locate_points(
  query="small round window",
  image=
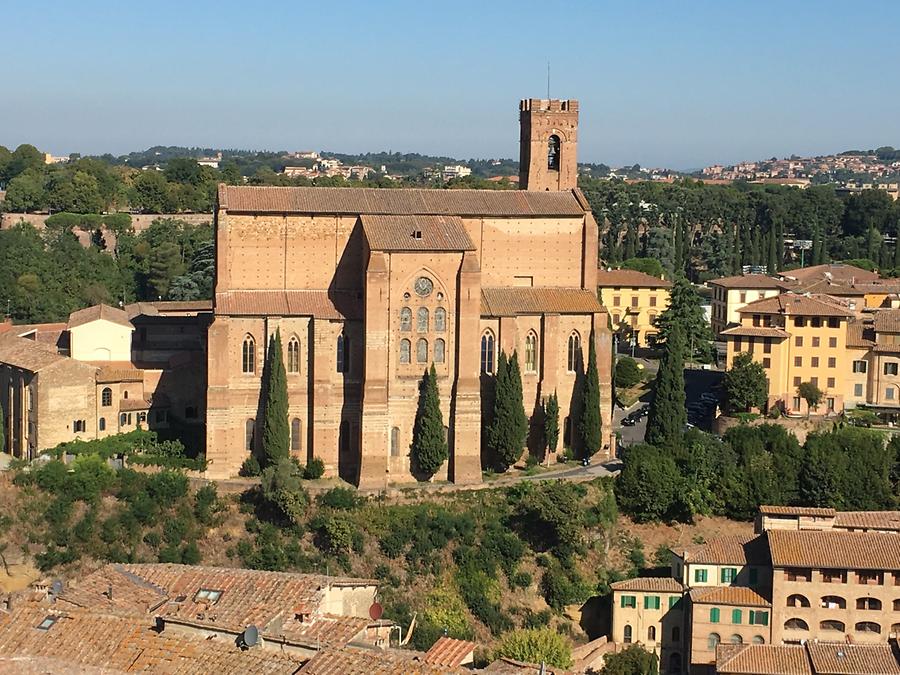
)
(423, 287)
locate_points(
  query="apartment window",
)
(869, 578)
(101, 424)
(815, 322)
(293, 360)
(829, 404)
(248, 356)
(673, 600)
(796, 624)
(767, 346)
(626, 634)
(799, 322)
(832, 342)
(797, 402)
(78, 426)
(797, 600)
(767, 362)
(713, 641)
(634, 301)
(106, 397)
(832, 624)
(758, 618)
(833, 322)
(798, 361)
(616, 318)
(796, 381)
(833, 576)
(798, 341)
(736, 616)
(890, 368)
(815, 361)
(860, 366)
(440, 320)
(700, 576)
(406, 319)
(714, 615)
(857, 390)
(889, 393)
(758, 640)
(629, 601)
(833, 602)
(738, 345)
(867, 627)
(651, 634)
(869, 604)
(815, 381)
(728, 574)
(830, 381)
(795, 574)
(653, 301)
(616, 301)
(815, 342)
(651, 602)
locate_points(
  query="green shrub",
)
(250, 468)
(340, 498)
(520, 580)
(315, 469)
(336, 535)
(51, 477)
(628, 373)
(167, 487)
(90, 477)
(536, 619)
(190, 554)
(206, 504)
(535, 645)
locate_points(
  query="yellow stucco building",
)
(634, 300)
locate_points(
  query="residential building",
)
(455, 171)
(634, 300)
(649, 611)
(731, 294)
(370, 287)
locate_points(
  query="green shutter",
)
(736, 616)
(714, 615)
(763, 618)
(673, 600)
(700, 575)
(646, 602)
(622, 600)
(655, 602)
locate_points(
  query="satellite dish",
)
(56, 587)
(251, 636)
(376, 611)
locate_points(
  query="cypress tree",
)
(772, 262)
(275, 433)
(589, 425)
(2, 430)
(631, 242)
(897, 254)
(429, 448)
(509, 427)
(665, 424)
(551, 422)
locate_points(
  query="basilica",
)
(370, 287)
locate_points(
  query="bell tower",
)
(548, 144)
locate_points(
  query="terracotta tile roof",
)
(119, 374)
(813, 511)
(747, 281)
(335, 305)
(756, 331)
(86, 642)
(27, 354)
(98, 313)
(887, 321)
(870, 520)
(630, 279)
(834, 549)
(794, 304)
(395, 233)
(128, 404)
(360, 661)
(762, 660)
(840, 273)
(510, 301)
(504, 666)
(740, 596)
(450, 653)
(411, 202)
(853, 659)
(727, 550)
(828, 288)
(860, 334)
(651, 584)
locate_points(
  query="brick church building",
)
(369, 287)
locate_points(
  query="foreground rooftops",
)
(749, 281)
(412, 202)
(99, 313)
(649, 584)
(630, 279)
(510, 301)
(739, 596)
(811, 658)
(727, 550)
(834, 549)
(795, 304)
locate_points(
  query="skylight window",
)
(209, 595)
(46, 623)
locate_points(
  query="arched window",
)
(295, 434)
(125, 394)
(833, 602)
(248, 356)
(797, 600)
(422, 351)
(422, 320)
(897, 605)
(487, 353)
(123, 419)
(530, 352)
(736, 639)
(867, 627)
(395, 442)
(651, 634)
(796, 624)
(440, 319)
(895, 628)
(404, 350)
(101, 424)
(249, 433)
(676, 634)
(626, 634)
(106, 397)
(293, 359)
(713, 640)
(343, 354)
(406, 319)
(758, 640)
(574, 352)
(439, 348)
(832, 624)
(553, 153)
(868, 603)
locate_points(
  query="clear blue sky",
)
(660, 83)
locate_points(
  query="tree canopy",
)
(746, 384)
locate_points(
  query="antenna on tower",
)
(548, 80)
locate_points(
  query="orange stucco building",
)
(368, 288)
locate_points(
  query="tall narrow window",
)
(248, 356)
(404, 350)
(293, 360)
(626, 634)
(439, 349)
(553, 153)
(422, 320)
(422, 351)
(343, 354)
(106, 397)
(530, 351)
(406, 319)
(295, 434)
(440, 319)
(574, 352)
(101, 424)
(249, 432)
(487, 353)
(395, 442)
